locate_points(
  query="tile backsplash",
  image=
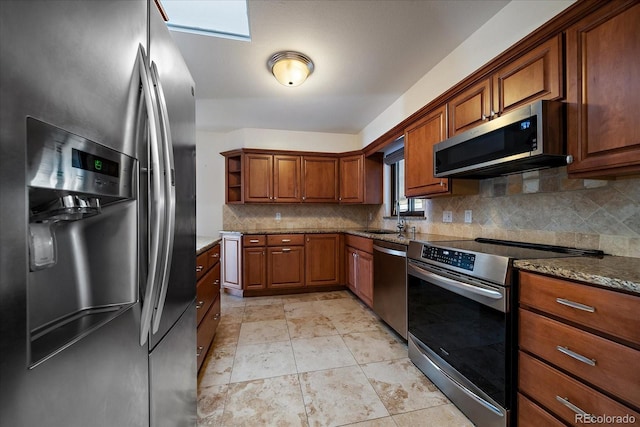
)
(541, 207)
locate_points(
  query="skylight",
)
(216, 18)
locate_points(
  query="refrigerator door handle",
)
(170, 194)
(157, 204)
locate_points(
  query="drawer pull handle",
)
(254, 241)
(574, 408)
(576, 305)
(199, 352)
(577, 356)
(216, 317)
(286, 249)
(216, 255)
(199, 268)
(216, 282)
(286, 240)
(199, 305)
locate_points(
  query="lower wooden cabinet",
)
(572, 364)
(207, 300)
(285, 265)
(322, 259)
(359, 267)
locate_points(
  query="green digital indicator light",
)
(97, 164)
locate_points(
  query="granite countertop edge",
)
(204, 243)
(617, 273)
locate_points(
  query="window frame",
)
(394, 194)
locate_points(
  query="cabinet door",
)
(286, 267)
(259, 178)
(418, 155)
(351, 267)
(536, 75)
(255, 268)
(602, 92)
(364, 278)
(470, 108)
(322, 259)
(231, 262)
(286, 179)
(320, 179)
(352, 179)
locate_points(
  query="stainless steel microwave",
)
(528, 138)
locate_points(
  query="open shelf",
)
(233, 179)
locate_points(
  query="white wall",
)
(511, 24)
(210, 164)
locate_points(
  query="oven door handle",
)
(445, 282)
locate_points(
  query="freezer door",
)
(178, 87)
(172, 366)
(69, 64)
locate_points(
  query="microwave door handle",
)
(445, 282)
(170, 195)
(156, 202)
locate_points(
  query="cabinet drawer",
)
(559, 393)
(285, 239)
(206, 291)
(214, 255)
(207, 330)
(254, 240)
(362, 243)
(607, 311)
(603, 363)
(531, 415)
(202, 264)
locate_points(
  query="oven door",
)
(460, 337)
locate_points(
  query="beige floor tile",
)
(266, 402)
(402, 387)
(339, 396)
(374, 346)
(228, 300)
(443, 415)
(300, 309)
(333, 295)
(211, 402)
(356, 320)
(313, 296)
(314, 354)
(216, 370)
(255, 301)
(309, 327)
(330, 307)
(263, 331)
(226, 334)
(378, 422)
(256, 313)
(255, 361)
(231, 314)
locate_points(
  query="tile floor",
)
(320, 359)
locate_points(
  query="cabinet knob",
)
(484, 118)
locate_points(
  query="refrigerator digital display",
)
(89, 162)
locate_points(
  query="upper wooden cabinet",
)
(261, 176)
(361, 179)
(272, 178)
(532, 76)
(418, 155)
(603, 90)
(320, 179)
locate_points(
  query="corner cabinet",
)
(603, 88)
(207, 299)
(361, 179)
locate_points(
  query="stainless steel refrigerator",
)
(97, 217)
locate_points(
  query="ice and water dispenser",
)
(82, 237)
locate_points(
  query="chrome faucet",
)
(400, 225)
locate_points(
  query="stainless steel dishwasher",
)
(390, 284)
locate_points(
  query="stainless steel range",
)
(461, 320)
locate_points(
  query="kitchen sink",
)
(380, 231)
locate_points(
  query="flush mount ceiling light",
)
(290, 68)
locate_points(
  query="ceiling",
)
(367, 53)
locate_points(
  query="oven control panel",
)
(451, 257)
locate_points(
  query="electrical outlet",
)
(467, 217)
(447, 216)
(370, 216)
(278, 216)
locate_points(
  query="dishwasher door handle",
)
(390, 251)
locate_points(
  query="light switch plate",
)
(468, 217)
(278, 216)
(447, 216)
